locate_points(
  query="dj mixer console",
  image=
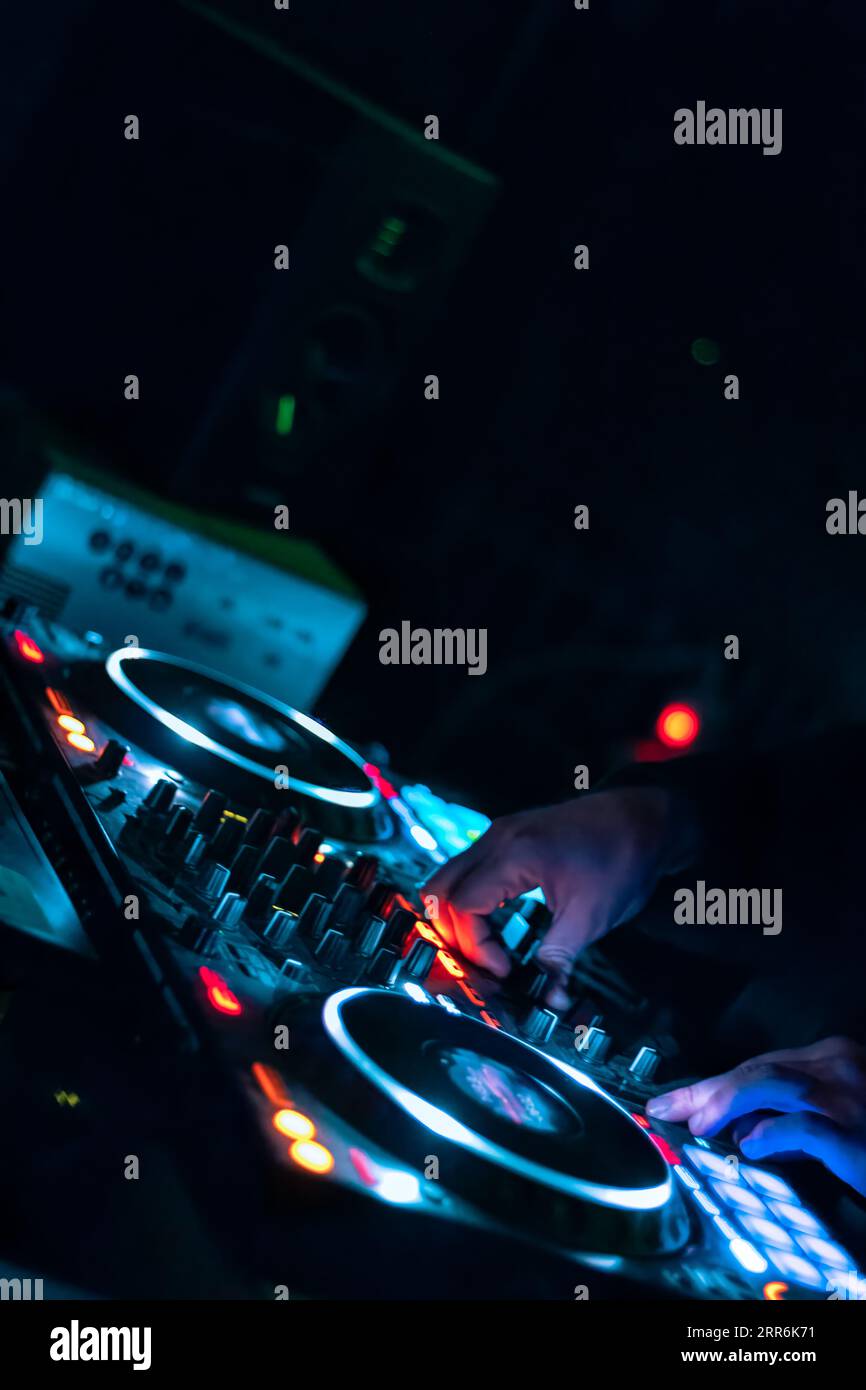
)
(358, 1111)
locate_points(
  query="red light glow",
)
(677, 726)
(218, 993)
(27, 647)
(668, 1154)
(271, 1083)
(380, 782)
(642, 1121)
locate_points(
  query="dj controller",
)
(218, 977)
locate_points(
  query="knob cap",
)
(109, 762)
(330, 875)
(194, 847)
(384, 967)
(370, 938)
(278, 858)
(281, 928)
(160, 796)
(296, 888)
(332, 948)
(261, 899)
(225, 842)
(596, 1045)
(348, 906)
(313, 917)
(644, 1064)
(258, 827)
(539, 1024)
(400, 923)
(419, 959)
(244, 868)
(307, 847)
(209, 813)
(230, 909)
(363, 872)
(212, 880)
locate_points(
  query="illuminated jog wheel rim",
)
(231, 736)
(529, 1138)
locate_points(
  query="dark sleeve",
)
(792, 819)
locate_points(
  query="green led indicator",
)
(706, 352)
(396, 225)
(285, 415)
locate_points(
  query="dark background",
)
(557, 387)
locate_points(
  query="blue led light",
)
(767, 1183)
(770, 1232)
(746, 1255)
(794, 1215)
(708, 1206)
(711, 1163)
(825, 1250)
(741, 1197)
(798, 1270)
(727, 1230)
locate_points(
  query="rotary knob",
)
(644, 1064)
(209, 813)
(419, 959)
(539, 1024)
(331, 949)
(370, 938)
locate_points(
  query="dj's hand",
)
(596, 859)
(819, 1092)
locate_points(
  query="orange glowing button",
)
(309, 1154)
(775, 1291)
(71, 724)
(677, 726)
(319, 858)
(82, 742)
(27, 647)
(293, 1124)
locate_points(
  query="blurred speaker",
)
(389, 221)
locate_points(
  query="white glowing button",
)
(727, 1230)
(707, 1205)
(798, 1270)
(416, 992)
(710, 1163)
(422, 837)
(768, 1183)
(845, 1283)
(685, 1176)
(447, 1004)
(740, 1197)
(400, 1188)
(750, 1258)
(770, 1232)
(825, 1251)
(798, 1217)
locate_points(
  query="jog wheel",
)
(530, 1140)
(227, 735)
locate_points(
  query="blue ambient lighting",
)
(440, 1122)
(746, 1254)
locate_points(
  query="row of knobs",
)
(263, 872)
